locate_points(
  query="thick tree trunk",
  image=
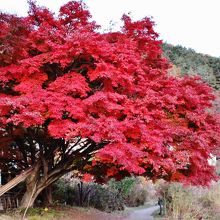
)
(47, 196)
(29, 198)
(36, 183)
(33, 191)
(43, 174)
(31, 188)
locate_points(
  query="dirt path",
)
(142, 214)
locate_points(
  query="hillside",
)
(187, 61)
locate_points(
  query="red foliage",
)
(61, 75)
(87, 177)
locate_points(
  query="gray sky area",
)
(190, 23)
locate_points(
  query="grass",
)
(44, 214)
(192, 203)
(35, 214)
(63, 213)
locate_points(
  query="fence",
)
(8, 201)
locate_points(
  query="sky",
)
(190, 23)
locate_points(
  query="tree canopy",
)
(73, 98)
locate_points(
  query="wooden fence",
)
(9, 201)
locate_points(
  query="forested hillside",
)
(187, 61)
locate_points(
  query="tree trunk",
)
(29, 198)
(80, 190)
(36, 183)
(47, 196)
(32, 190)
(43, 176)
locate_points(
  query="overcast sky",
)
(190, 23)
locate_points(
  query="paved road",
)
(4, 217)
(142, 214)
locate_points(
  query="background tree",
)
(192, 63)
(100, 103)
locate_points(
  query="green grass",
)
(36, 213)
(43, 214)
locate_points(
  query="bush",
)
(132, 189)
(104, 198)
(191, 203)
(211, 202)
(181, 204)
(123, 186)
(101, 197)
(131, 192)
(137, 196)
(64, 193)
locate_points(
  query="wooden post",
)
(14, 182)
(164, 205)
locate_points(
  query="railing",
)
(14, 182)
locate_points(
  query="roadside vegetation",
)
(189, 202)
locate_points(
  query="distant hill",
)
(187, 61)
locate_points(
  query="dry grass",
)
(192, 203)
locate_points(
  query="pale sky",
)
(190, 23)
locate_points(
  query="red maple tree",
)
(73, 98)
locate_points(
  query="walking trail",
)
(142, 214)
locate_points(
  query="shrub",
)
(105, 198)
(190, 203)
(123, 186)
(137, 196)
(64, 193)
(132, 189)
(101, 197)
